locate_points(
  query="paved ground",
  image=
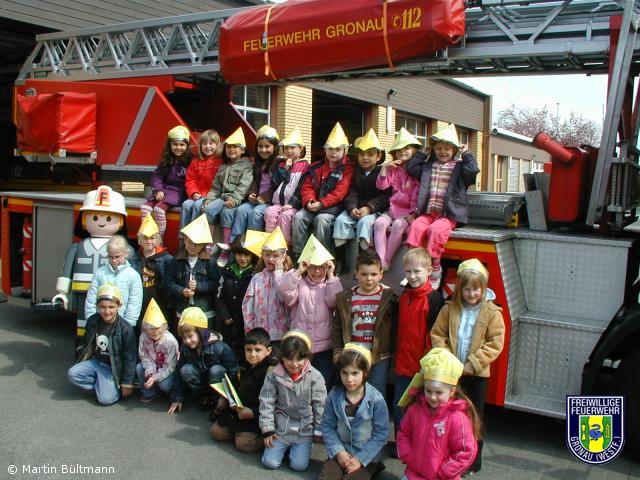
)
(47, 424)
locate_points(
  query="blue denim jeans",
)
(249, 216)
(217, 209)
(92, 375)
(378, 376)
(347, 228)
(299, 454)
(400, 386)
(199, 380)
(190, 211)
(164, 386)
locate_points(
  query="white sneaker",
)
(223, 246)
(404, 282)
(211, 249)
(435, 280)
(223, 259)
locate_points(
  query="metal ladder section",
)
(502, 37)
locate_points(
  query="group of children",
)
(283, 357)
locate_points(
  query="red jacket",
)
(327, 185)
(200, 175)
(418, 309)
(436, 445)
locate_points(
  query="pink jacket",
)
(263, 307)
(436, 445)
(312, 305)
(404, 198)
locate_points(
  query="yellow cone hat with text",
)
(198, 230)
(275, 241)
(293, 138)
(267, 131)
(438, 365)
(446, 135)
(370, 140)
(154, 316)
(337, 138)
(148, 227)
(194, 316)
(179, 133)
(404, 139)
(314, 252)
(236, 138)
(254, 240)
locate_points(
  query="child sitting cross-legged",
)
(158, 352)
(291, 404)
(355, 423)
(204, 359)
(241, 423)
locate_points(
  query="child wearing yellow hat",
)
(355, 423)
(288, 178)
(230, 186)
(192, 275)
(472, 328)
(167, 180)
(106, 364)
(262, 306)
(442, 200)
(158, 352)
(291, 405)
(437, 437)
(404, 197)
(310, 292)
(323, 191)
(200, 174)
(250, 215)
(152, 263)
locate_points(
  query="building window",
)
(415, 125)
(254, 103)
(464, 137)
(499, 169)
(538, 167)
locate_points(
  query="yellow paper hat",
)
(474, 265)
(337, 138)
(109, 292)
(267, 131)
(179, 133)
(154, 316)
(446, 135)
(438, 365)
(293, 138)
(314, 252)
(301, 335)
(198, 230)
(275, 241)
(236, 138)
(194, 316)
(254, 240)
(148, 227)
(370, 140)
(404, 139)
(356, 143)
(354, 347)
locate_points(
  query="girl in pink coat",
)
(310, 292)
(403, 201)
(437, 437)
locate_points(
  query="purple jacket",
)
(170, 180)
(436, 445)
(312, 305)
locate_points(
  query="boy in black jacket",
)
(241, 424)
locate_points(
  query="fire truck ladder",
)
(502, 37)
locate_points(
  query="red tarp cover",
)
(313, 36)
(50, 122)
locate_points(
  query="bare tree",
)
(572, 132)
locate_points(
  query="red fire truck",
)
(566, 282)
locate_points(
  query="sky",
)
(561, 93)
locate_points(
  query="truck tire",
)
(629, 386)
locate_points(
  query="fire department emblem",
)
(595, 427)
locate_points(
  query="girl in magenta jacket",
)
(310, 292)
(437, 438)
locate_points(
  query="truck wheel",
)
(629, 386)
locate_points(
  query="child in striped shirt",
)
(366, 314)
